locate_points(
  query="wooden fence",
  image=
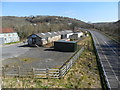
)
(45, 73)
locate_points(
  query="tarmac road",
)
(108, 52)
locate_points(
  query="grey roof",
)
(52, 34)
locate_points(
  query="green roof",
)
(66, 41)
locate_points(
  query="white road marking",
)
(110, 47)
(107, 61)
(102, 66)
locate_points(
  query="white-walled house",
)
(8, 35)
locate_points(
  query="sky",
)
(85, 11)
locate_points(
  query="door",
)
(33, 40)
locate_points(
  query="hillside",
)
(111, 28)
(36, 24)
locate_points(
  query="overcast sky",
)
(85, 11)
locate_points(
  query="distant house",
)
(8, 35)
(76, 35)
(48, 37)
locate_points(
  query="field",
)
(83, 74)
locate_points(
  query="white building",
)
(69, 34)
(8, 35)
(80, 34)
(48, 37)
(77, 35)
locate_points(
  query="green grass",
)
(83, 74)
(12, 43)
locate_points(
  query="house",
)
(45, 38)
(8, 35)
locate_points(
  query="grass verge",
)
(12, 43)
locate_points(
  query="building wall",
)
(63, 36)
(30, 40)
(39, 41)
(1, 41)
(44, 41)
(80, 34)
(9, 37)
(50, 39)
(69, 34)
(74, 36)
(55, 38)
(66, 46)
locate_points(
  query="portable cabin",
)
(65, 46)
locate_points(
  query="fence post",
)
(47, 72)
(18, 71)
(60, 73)
(71, 62)
(78, 54)
(84, 44)
(66, 68)
(3, 71)
(33, 71)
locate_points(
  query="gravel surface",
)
(37, 58)
(14, 50)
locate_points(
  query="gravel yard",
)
(38, 58)
(10, 51)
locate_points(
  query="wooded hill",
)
(36, 24)
(111, 28)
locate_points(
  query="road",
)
(10, 51)
(108, 52)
